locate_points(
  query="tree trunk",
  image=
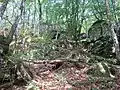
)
(112, 28)
(3, 7)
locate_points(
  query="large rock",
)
(100, 39)
(98, 29)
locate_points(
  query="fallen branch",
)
(91, 81)
(6, 85)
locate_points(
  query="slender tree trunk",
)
(82, 16)
(40, 10)
(15, 24)
(22, 8)
(40, 13)
(3, 7)
(108, 10)
(34, 18)
(29, 13)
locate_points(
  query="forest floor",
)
(69, 73)
(59, 75)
